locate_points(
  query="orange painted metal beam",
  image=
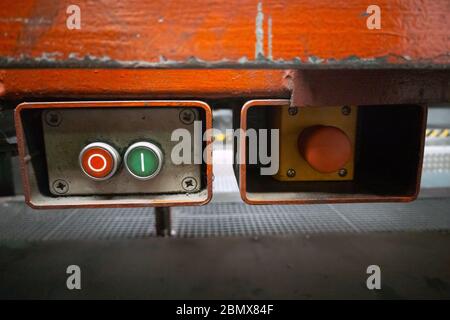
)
(368, 87)
(234, 33)
(29, 84)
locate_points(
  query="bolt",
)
(187, 116)
(60, 186)
(292, 111)
(290, 173)
(189, 184)
(53, 118)
(346, 110)
(342, 172)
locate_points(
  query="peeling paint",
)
(74, 60)
(315, 60)
(259, 32)
(14, 19)
(122, 37)
(50, 56)
(243, 60)
(269, 38)
(34, 21)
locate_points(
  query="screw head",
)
(187, 116)
(346, 110)
(53, 118)
(189, 184)
(290, 173)
(292, 111)
(342, 172)
(60, 186)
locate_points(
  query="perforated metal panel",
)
(19, 222)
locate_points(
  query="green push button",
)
(143, 160)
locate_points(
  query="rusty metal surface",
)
(308, 87)
(367, 87)
(238, 34)
(35, 199)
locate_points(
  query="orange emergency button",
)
(326, 149)
(99, 161)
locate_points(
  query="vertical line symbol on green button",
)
(143, 160)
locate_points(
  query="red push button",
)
(326, 149)
(99, 160)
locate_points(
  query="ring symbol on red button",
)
(99, 161)
(94, 167)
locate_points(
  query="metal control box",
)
(384, 161)
(76, 128)
(115, 153)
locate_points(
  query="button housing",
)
(292, 125)
(102, 169)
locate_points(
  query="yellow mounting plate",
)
(291, 124)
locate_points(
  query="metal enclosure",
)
(49, 153)
(388, 158)
(121, 128)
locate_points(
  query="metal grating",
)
(420, 215)
(239, 219)
(18, 222)
(236, 219)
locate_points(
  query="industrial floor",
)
(333, 266)
(229, 251)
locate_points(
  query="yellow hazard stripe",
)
(445, 133)
(437, 133)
